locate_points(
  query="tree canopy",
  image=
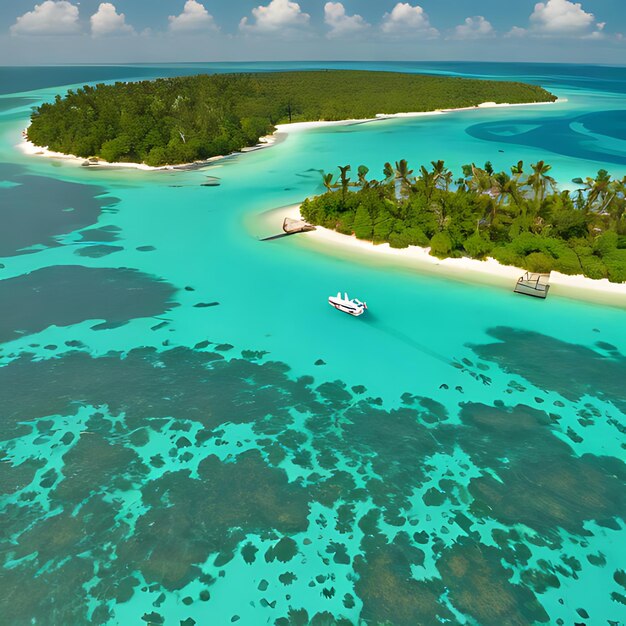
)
(519, 217)
(184, 119)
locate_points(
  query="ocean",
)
(189, 434)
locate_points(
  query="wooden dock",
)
(533, 284)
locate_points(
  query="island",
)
(518, 218)
(185, 119)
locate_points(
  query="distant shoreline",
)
(30, 149)
(465, 269)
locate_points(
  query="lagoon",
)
(184, 415)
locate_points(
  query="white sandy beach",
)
(301, 126)
(29, 148)
(464, 269)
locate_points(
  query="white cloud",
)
(474, 28)
(52, 17)
(561, 18)
(598, 33)
(405, 19)
(193, 18)
(516, 31)
(340, 23)
(107, 21)
(278, 15)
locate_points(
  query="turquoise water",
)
(191, 435)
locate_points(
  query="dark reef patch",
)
(104, 234)
(32, 588)
(479, 586)
(62, 295)
(145, 384)
(16, 477)
(204, 305)
(27, 598)
(396, 443)
(97, 251)
(190, 519)
(389, 594)
(95, 463)
(571, 370)
(368, 465)
(187, 520)
(284, 550)
(108, 325)
(541, 482)
(38, 209)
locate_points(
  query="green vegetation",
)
(179, 120)
(517, 218)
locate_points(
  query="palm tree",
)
(442, 175)
(388, 172)
(506, 188)
(617, 207)
(481, 181)
(403, 173)
(428, 181)
(465, 181)
(610, 196)
(579, 200)
(344, 181)
(582, 203)
(362, 173)
(518, 170)
(328, 181)
(439, 168)
(446, 180)
(599, 189)
(599, 200)
(539, 180)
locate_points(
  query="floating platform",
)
(532, 284)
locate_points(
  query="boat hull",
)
(354, 311)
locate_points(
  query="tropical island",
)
(519, 218)
(181, 120)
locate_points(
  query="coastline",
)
(282, 130)
(30, 149)
(465, 269)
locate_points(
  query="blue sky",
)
(65, 31)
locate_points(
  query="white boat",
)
(352, 306)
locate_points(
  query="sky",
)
(138, 31)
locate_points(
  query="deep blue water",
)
(16, 79)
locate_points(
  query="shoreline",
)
(282, 130)
(465, 269)
(28, 148)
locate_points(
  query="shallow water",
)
(189, 432)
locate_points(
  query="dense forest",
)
(180, 120)
(519, 218)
